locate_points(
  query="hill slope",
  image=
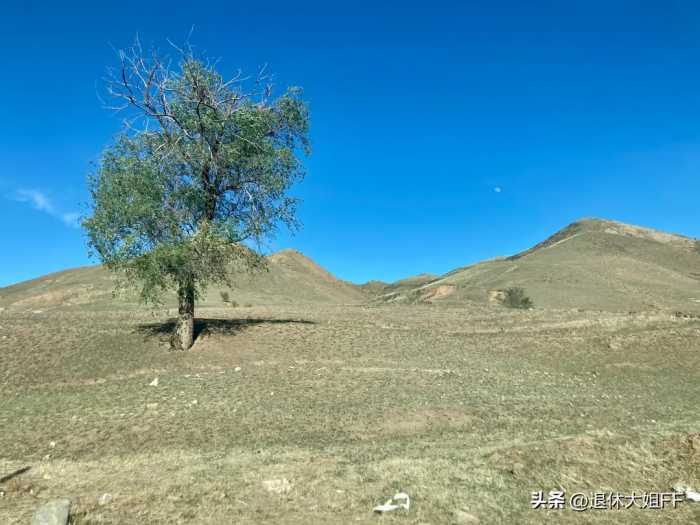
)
(291, 278)
(592, 264)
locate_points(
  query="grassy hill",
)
(291, 277)
(590, 264)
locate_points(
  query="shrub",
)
(225, 297)
(515, 298)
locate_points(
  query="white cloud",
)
(71, 219)
(498, 189)
(40, 202)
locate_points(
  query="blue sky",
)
(443, 132)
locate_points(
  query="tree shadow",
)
(206, 326)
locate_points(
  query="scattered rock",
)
(278, 486)
(690, 494)
(237, 369)
(54, 512)
(400, 500)
(154, 382)
(517, 468)
(104, 499)
(465, 518)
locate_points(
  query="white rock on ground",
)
(278, 486)
(54, 512)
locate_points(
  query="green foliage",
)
(515, 298)
(225, 297)
(180, 202)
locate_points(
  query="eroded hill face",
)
(590, 264)
(291, 278)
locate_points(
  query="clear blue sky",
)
(443, 132)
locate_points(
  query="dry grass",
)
(468, 409)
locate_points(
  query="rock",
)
(54, 512)
(154, 382)
(237, 369)
(104, 499)
(52, 444)
(465, 518)
(278, 486)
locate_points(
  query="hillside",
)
(591, 264)
(291, 278)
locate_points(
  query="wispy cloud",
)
(498, 189)
(40, 202)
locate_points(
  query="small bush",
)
(515, 298)
(225, 297)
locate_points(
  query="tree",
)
(200, 173)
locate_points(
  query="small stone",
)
(278, 486)
(54, 512)
(104, 499)
(52, 444)
(151, 406)
(237, 369)
(154, 382)
(194, 402)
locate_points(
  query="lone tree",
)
(203, 165)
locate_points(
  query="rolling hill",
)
(590, 264)
(291, 278)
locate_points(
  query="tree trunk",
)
(183, 336)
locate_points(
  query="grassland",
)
(467, 408)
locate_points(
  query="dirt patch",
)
(497, 296)
(439, 292)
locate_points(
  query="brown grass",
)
(467, 409)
